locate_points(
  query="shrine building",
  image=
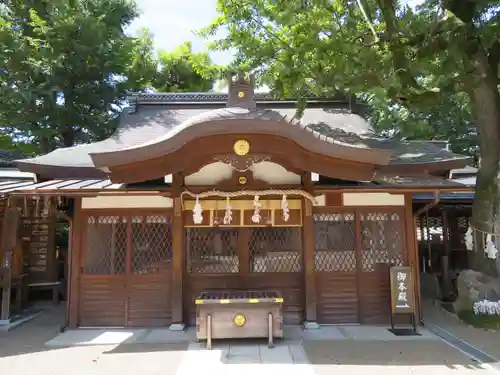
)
(199, 192)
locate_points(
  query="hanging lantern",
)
(37, 206)
(197, 212)
(25, 207)
(46, 206)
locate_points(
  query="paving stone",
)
(249, 350)
(324, 333)
(95, 337)
(280, 354)
(161, 335)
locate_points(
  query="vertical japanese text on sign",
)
(402, 296)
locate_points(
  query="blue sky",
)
(173, 21)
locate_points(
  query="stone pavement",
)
(330, 350)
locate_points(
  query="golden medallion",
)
(241, 94)
(242, 180)
(241, 147)
(239, 320)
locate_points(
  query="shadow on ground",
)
(32, 337)
(379, 353)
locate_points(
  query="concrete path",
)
(330, 350)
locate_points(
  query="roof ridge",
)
(200, 97)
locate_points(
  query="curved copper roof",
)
(161, 124)
(234, 120)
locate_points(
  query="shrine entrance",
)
(245, 258)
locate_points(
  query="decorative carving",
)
(241, 91)
(241, 147)
(241, 163)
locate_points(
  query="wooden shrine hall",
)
(206, 192)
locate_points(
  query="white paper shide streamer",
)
(256, 213)
(469, 239)
(284, 208)
(490, 250)
(197, 212)
(228, 214)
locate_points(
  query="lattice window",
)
(275, 250)
(212, 250)
(335, 242)
(382, 240)
(106, 245)
(433, 229)
(151, 244)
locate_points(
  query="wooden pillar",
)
(309, 249)
(6, 278)
(445, 258)
(78, 228)
(10, 238)
(178, 257)
(412, 252)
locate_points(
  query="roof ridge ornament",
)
(241, 91)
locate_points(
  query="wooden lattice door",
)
(102, 289)
(126, 271)
(383, 245)
(336, 266)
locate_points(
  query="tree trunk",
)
(485, 99)
(68, 137)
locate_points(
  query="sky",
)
(172, 23)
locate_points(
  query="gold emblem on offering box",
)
(241, 147)
(239, 320)
(242, 180)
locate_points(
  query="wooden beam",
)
(309, 248)
(75, 265)
(6, 275)
(178, 257)
(412, 252)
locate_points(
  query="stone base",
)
(177, 327)
(4, 322)
(311, 325)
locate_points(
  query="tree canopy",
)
(59, 67)
(182, 70)
(67, 66)
(444, 52)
